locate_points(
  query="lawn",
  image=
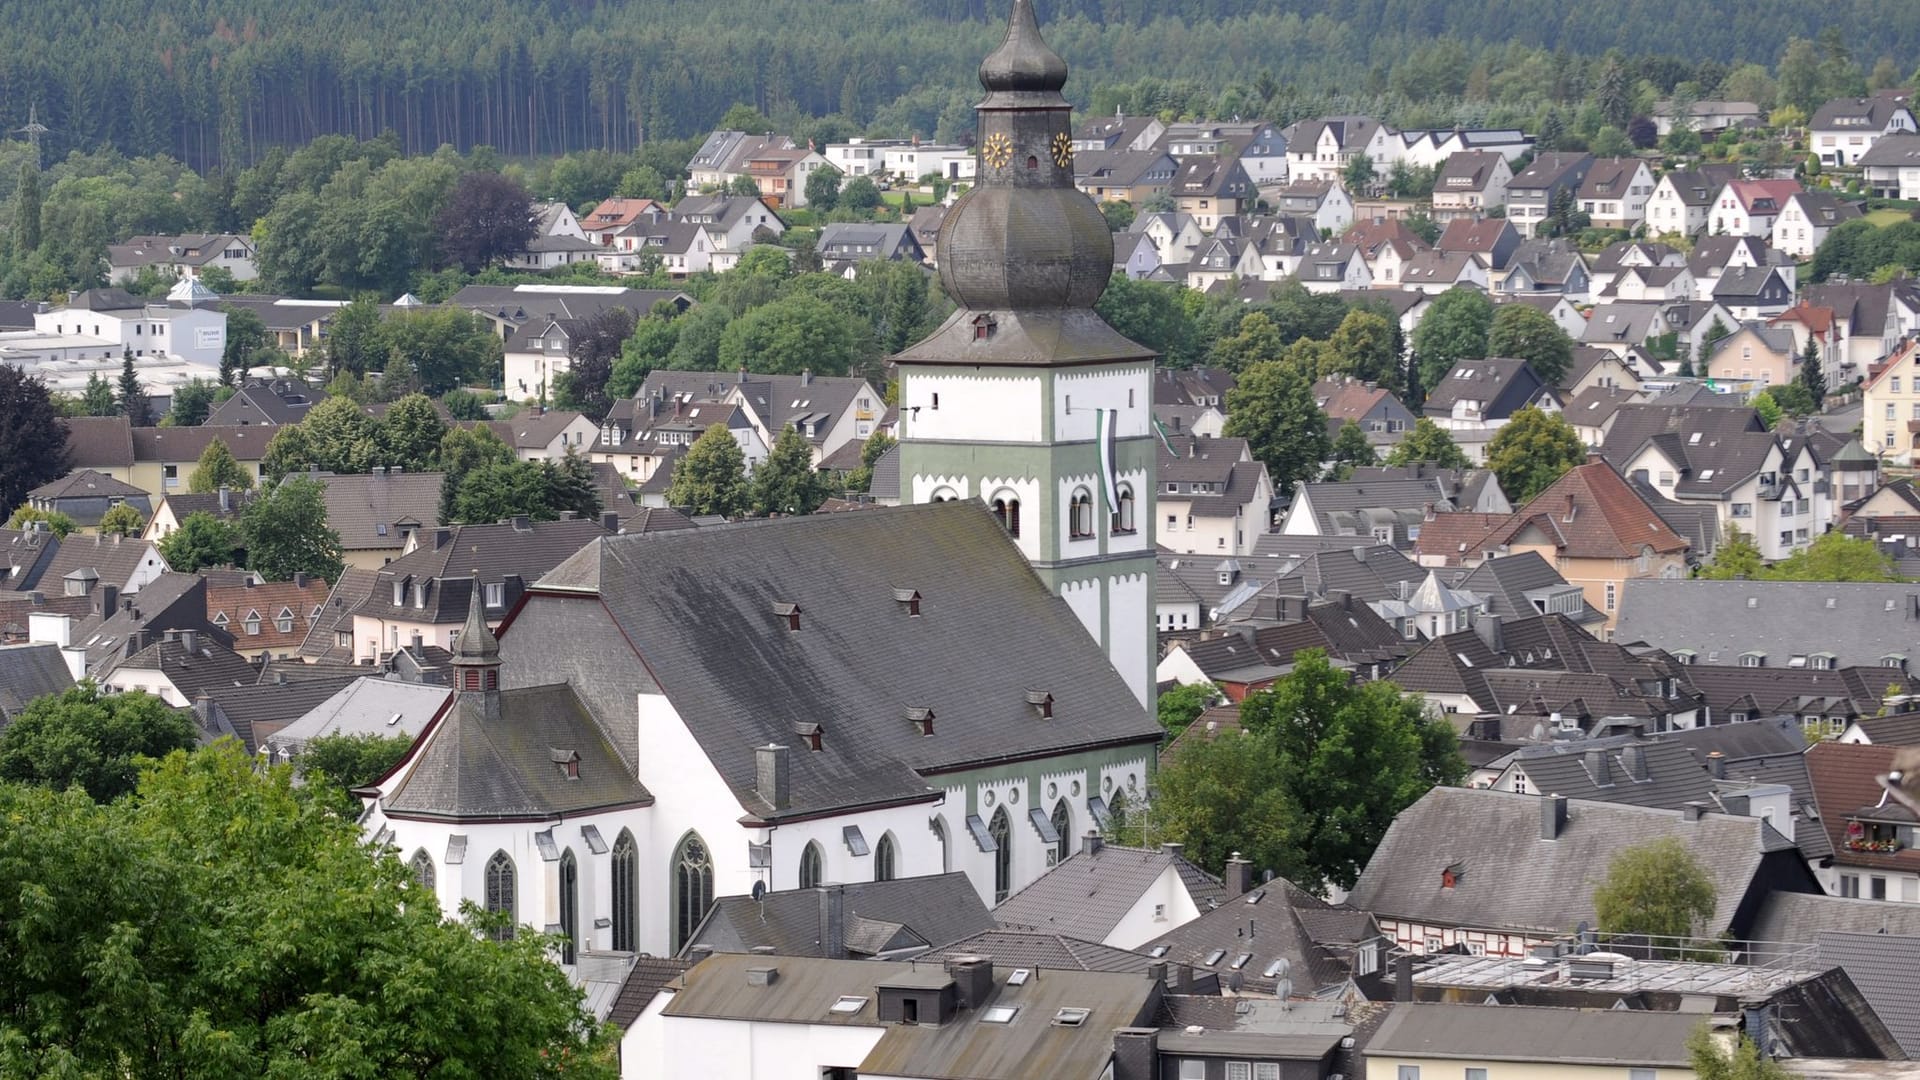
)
(1883, 218)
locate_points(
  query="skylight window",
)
(1071, 1017)
(847, 1005)
(1019, 976)
(1241, 961)
(1213, 957)
(1274, 969)
(999, 1014)
(1256, 896)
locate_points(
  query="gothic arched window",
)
(499, 893)
(1002, 832)
(569, 907)
(810, 871)
(939, 827)
(883, 859)
(1063, 825)
(1123, 519)
(422, 866)
(626, 868)
(1006, 507)
(692, 887)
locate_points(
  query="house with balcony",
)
(1321, 149)
(1891, 169)
(1874, 837)
(1844, 130)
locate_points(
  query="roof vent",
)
(1042, 701)
(812, 733)
(908, 599)
(1071, 1017)
(921, 716)
(789, 612)
(762, 976)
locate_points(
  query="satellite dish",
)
(1585, 938)
(759, 890)
(1266, 876)
(1234, 981)
(1283, 989)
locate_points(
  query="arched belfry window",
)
(1080, 515)
(1123, 515)
(692, 887)
(1006, 508)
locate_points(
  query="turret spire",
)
(476, 656)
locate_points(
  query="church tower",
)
(1026, 399)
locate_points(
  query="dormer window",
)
(983, 329)
(568, 762)
(909, 601)
(789, 612)
(811, 734)
(921, 716)
(1042, 702)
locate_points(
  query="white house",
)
(1892, 167)
(1843, 130)
(1804, 222)
(1749, 207)
(1321, 149)
(183, 256)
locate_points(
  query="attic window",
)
(1042, 701)
(1256, 896)
(568, 762)
(909, 601)
(1071, 1017)
(983, 328)
(1449, 877)
(789, 612)
(1273, 970)
(1157, 951)
(1019, 976)
(922, 718)
(1240, 961)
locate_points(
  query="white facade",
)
(862, 157)
(1669, 214)
(976, 408)
(1796, 232)
(911, 161)
(659, 1047)
(196, 335)
(1844, 145)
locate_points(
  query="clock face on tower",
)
(998, 150)
(1062, 150)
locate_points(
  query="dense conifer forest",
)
(214, 83)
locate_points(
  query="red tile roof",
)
(1817, 319)
(267, 601)
(1448, 538)
(1845, 779)
(1592, 513)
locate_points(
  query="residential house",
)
(861, 157)
(549, 434)
(1216, 261)
(85, 496)
(926, 222)
(368, 705)
(1774, 488)
(1814, 702)
(1174, 236)
(178, 668)
(28, 672)
(27, 554)
(1326, 202)
(723, 156)
(101, 443)
(264, 619)
(550, 252)
(830, 412)
(1494, 240)
(377, 513)
(1808, 322)
(536, 322)
(1209, 188)
(1625, 254)
(1890, 404)
(1891, 169)
(1111, 895)
(267, 402)
(1592, 409)
(1275, 938)
(225, 505)
(1538, 192)
(1750, 207)
(706, 798)
(1387, 511)
(842, 245)
(1594, 367)
(1434, 1039)
(1332, 268)
(1843, 130)
(1214, 497)
(1432, 148)
(1435, 272)
(1347, 400)
(1869, 322)
(1754, 354)
(183, 256)
(1131, 176)
(1820, 626)
(1525, 586)
(909, 161)
(1481, 395)
(1549, 268)
(1467, 490)
(736, 222)
(1322, 149)
(1708, 118)
(1200, 386)
(294, 325)
(1450, 870)
(1615, 191)
(610, 217)
(1807, 218)
(1874, 852)
(426, 590)
(1470, 183)
(1387, 245)
(1621, 327)
(1133, 255)
(1757, 293)
(557, 219)
(780, 173)
(1713, 256)
(1118, 132)
(883, 919)
(1683, 199)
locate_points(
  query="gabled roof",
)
(1501, 386)
(1274, 921)
(267, 602)
(1699, 186)
(1511, 584)
(209, 666)
(1893, 152)
(1861, 114)
(86, 484)
(1467, 170)
(1088, 894)
(1537, 1035)
(99, 442)
(1549, 169)
(1762, 196)
(1592, 513)
(248, 442)
(1691, 427)
(1506, 877)
(1637, 774)
(1479, 236)
(250, 708)
(1610, 177)
(111, 559)
(322, 641)
(28, 672)
(372, 511)
(856, 664)
(1881, 967)
(1801, 918)
(488, 553)
(1847, 788)
(920, 912)
(1049, 952)
(1858, 623)
(1824, 209)
(362, 705)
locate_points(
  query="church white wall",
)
(1165, 905)
(1080, 394)
(926, 487)
(1070, 548)
(973, 408)
(1129, 777)
(916, 852)
(1084, 598)
(660, 1047)
(1129, 597)
(1032, 513)
(1141, 539)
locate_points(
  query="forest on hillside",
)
(214, 83)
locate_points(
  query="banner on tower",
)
(1109, 469)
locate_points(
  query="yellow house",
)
(1430, 1041)
(1890, 424)
(1598, 532)
(1760, 355)
(164, 458)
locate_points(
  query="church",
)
(962, 685)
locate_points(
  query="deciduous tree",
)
(488, 218)
(218, 469)
(286, 532)
(591, 355)
(1428, 441)
(33, 442)
(122, 519)
(409, 434)
(789, 336)
(823, 188)
(1454, 329)
(192, 401)
(1655, 889)
(200, 541)
(1229, 794)
(786, 482)
(1351, 449)
(1735, 556)
(1526, 333)
(1531, 451)
(84, 739)
(711, 478)
(1272, 407)
(1835, 556)
(1183, 704)
(246, 337)
(346, 762)
(56, 522)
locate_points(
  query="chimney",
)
(1136, 1052)
(190, 640)
(418, 647)
(109, 600)
(226, 499)
(833, 921)
(610, 521)
(510, 589)
(1597, 767)
(1157, 971)
(1174, 850)
(763, 976)
(522, 523)
(772, 782)
(1717, 765)
(806, 376)
(1634, 760)
(1239, 876)
(1403, 979)
(973, 979)
(1490, 633)
(1553, 816)
(743, 373)
(1692, 811)
(1183, 978)
(300, 579)
(1091, 843)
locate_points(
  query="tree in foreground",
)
(1351, 450)
(1769, 409)
(84, 739)
(462, 450)
(1835, 556)
(246, 339)
(1227, 794)
(1655, 890)
(1526, 333)
(1272, 407)
(201, 540)
(33, 442)
(591, 354)
(1428, 441)
(787, 483)
(285, 531)
(1531, 451)
(226, 924)
(57, 522)
(1454, 329)
(1182, 705)
(121, 519)
(216, 469)
(1810, 375)
(711, 478)
(876, 447)
(1742, 1061)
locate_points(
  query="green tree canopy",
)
(488, 218)
(246, 338)
(1769, 409)
(192, 401)
(462, 450)
(122, 519)
(200, 541)
(1526, 333)
(445, 347)
(791, 335)
(58, 522)
(1273, 408)
(1655, 889)
(1835, 556)
(1735, 556)
(823, 188)
(133, 396)
(347, 762)
(409, 434)
(1532, 450)
(786, 482)
(98, 398)
(227, 924)
(1742, 1061)
(1229, 794)
(353, 338)
(216, 469)
(860, 195)
(1428, 441)
(711, 477)
(1183, 704)
(84, 739)
(1454, 329)
(286, 532)
(1351, 449)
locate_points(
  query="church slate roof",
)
(470, 766)
(699, 607)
